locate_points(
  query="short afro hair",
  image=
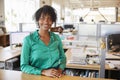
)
(46, 10)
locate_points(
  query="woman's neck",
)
(44, 36)
(43, 33)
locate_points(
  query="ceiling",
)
(91, 3)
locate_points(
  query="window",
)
(19, 11)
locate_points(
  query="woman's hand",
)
(52, 72)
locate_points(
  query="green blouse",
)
(36, 56)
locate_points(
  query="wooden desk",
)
(8, 53)
(110, 55)
(77, 66)
(17, 75)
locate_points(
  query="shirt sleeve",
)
(62, 55)
(25, 59)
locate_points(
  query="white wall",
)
(2, 16)
(45, 2)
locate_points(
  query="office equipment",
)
(16, 38)
(113, 42)
(68, 26)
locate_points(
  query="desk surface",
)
(8, 53)
(110, 55)
(17, 75)
(92, 66)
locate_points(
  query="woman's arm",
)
(25, 58)
(62, 55)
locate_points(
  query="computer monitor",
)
(16, 38)
(27, 27)
(68, 26)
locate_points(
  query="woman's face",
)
(45, 22)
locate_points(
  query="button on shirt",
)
(37, 56)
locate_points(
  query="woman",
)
(42, 51)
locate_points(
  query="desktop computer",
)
(16, 38)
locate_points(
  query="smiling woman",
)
(42, 51)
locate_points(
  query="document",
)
(78, 56)
(115, 63)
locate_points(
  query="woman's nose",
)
(46, 19)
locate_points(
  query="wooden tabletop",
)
(17, 75)
(8, 53)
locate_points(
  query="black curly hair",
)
(46, 10)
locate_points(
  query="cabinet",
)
(4, 40)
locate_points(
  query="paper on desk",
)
(91, 51)
(77, 54)
(113, 61)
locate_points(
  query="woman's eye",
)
(43, 18)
